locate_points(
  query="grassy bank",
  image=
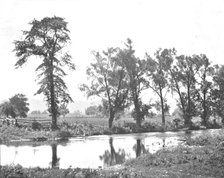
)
(200, 157)
(72, 127)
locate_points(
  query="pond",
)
(93, 151)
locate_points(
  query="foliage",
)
(63, 134)
(158, 76)
(108, 81)
(183, 82)
(217, 92)
(17, 106)
(63, 110)
(19, 172)
(36, 125)
(9, 133)
(35, 112)
(92, 110)
(205, 74)
(46, 39)
(206, 140)
(6, 109)
(135, 69)
(20, 104)
(203, 158)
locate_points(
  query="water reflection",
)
(55, 160)
(139, 148)
(111, 157)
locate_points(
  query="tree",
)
(217, 92)
(108, 81)
(205, 72)
(136, 70)
(157, 72)
(183, 82)
(92, 110)
(6, 109)
(158, 106)
(46, 39)
(17, 106)
(63, 110)
(20, 104)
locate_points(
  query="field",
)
(97, 121)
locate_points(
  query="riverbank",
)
(202, 156)
(11, 134)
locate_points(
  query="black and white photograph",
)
(112, 89)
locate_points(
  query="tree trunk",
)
(113, 160)
(111, 118)
(53, 103)
(163, 113)
(138, 114)
(54, 156)
(204, 116)
(138, 148)
(188, 113)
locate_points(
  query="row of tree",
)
(119, 78)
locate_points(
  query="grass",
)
(201, 157)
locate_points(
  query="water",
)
(93, 151)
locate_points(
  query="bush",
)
(205, 140)
(36, 125)
(213, 124)
(217, 158)
(151, 127)
(63, 134)
(131, 126)
(120, 130)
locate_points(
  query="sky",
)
(189, 26)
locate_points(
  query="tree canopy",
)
(17, 106)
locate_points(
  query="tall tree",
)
(184, 75)
(217, 92)
(137, 83)
(158, 75)
(205, 74)
(108, 81)
(46, 39)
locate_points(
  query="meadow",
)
(97, 121)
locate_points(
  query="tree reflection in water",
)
(112, 157)
(139, 148)
(55, 160)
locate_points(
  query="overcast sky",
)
(190, 26)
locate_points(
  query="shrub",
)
(63, 134)
(131, 126)
(36, 125)
(120, 130)
(217, 158)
